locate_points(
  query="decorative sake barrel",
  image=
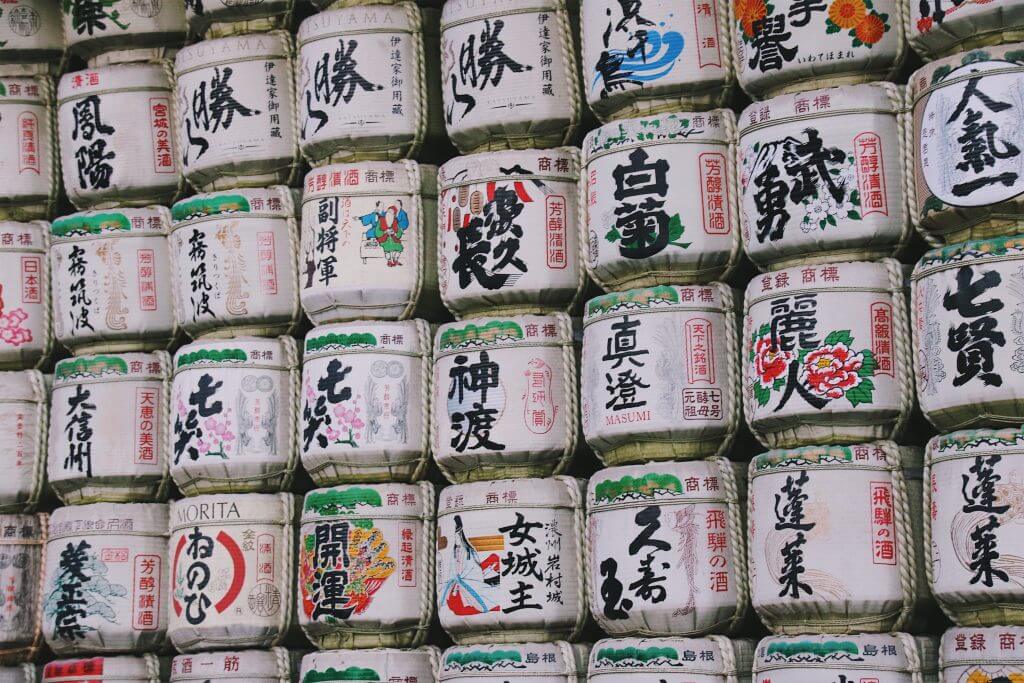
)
(108, 436)
(31, 38)
(822, 176)
(826, 357)
(390, 103)
(234, 259)
(479, 367)
(111, 281)
(144, 669)
(554, 662)
(24, 412)
(368, 666)
(29, 170)
(358, 222)
(641, 219)
(793, 46)
(507, 241)
(219, 18)
(366, 402)
(508, 72)
(659, 378)
(233, 407)
(26, 327)
(805, 501)
(886, 658)
(239, 128)
(256, 666)
(24, 673)
(106, 577)
(935, 30)
(510, 561)
(22, 538)
(665, 549)
(714, 659)
(117, 138)
(105, 32)
(981, 654)
(968, 182)
(380, 539)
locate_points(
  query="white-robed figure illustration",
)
(473, 584)
(387, 228)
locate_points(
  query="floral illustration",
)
(859, 19)
(770, 364)
(215, 435)
(339, 579)
(748, 12)
(347, 424)
(11, 331)
(332, 417)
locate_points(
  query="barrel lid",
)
(936, 74)
(558, 164)
(872, 455)
(455, 11)
(878, 652)
(847, 276)
(103, 670)
(109, 519)
(691, 656)
(23, 236)
(995, 645)
(965, 252)
(362, 501)
(488, 332)
(23, 385)
(268, 201)
(969, 443)
(793, 108)
(223, 51)
(657, 298)
(398, 18)
(20, 89)
(371, 665)
(230, 665)
(654, 483)
(510, 659)
(404, 337)
(373, 178)
(20, 528)
(553, 492)
(154, 220)
(108, 366)
(241, 352)
(117, 77)
(232, 508)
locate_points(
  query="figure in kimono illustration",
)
(473, 587)
(386, 228)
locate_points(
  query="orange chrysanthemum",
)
(749, 11)
(871, 30)
(847, 13)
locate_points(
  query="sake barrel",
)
(506, 238)
(936, 29)
(24, 412)
(106, 577)
(108, 436)
(111, 285)
(31, 38)
(26, 326)
(505, 401)
(24, 673)
(826, 355)
(22, 538)
(793, 46)
(144, 669)
(219, 18)
(714, 659)
(665, 549)
(366, 402)
(981, 654)
(385, 598)
(234, 257)
(233, 407)
(380, 664)
(822, 176)
(510, 561)
(642, 223)
(117, 139)
(237, 121)
(28, 131)
(555, 662)
(887, 658)
(257, 666)
(358, 222)
(967, 178)
(389, 104)
(105, 32)
(508, 72)
(660, 379)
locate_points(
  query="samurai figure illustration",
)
(387, 228)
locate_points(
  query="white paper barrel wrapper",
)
(24, 673)
(22, 538)
(849, 204)
(233, 571)
(369, 665)
(117, 137)
(369, 242)
(793, 46)
(32, 38)
(255, 666)
(714, 659)
(659, 378)
(507, 242)
(219, 18)
(510, 562)
(508, 73)
(235, 262)
(234, 415)
(665, 549)
(826, 354)
(144, 669)
(111, 282)
(236, 104)
(366, 391)
(106, 579)
(30, 168)
(981, 654)
(123, 30)
(26, 326)
(555, 662)
(24, 412)
(886, 658)
(967, 178)
(505, 397)
(937, 29)
(641, 219)
(390, 104)
(379, 540)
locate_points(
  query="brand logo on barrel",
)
(202, 426)
(192, 589)
(92, 156)
(90, 16)
(213, 108)
(332, 82)
(81, 593)
(86, 669)
(636, 50)
(476, 400)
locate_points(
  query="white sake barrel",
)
(255, 666)
(793, 46)
(26, 326)
(936, 29)
(885, 658)
(111, 282)
(665, 549)
(967, 345)
(233, 571)
(508, 73)
(106, 579)
(366, 565)
(234, 256)
(986, 655)
(108, 428)
(236, 105)
(22, 538)
(659, 377)
(25, 673)
(24, 413)
(105, 32)
(219, 18)
(507, 238)
(634, 62)
(822, 176)
(117, 138)
(554, 662)
(372, 665)
(806, 502)
(510, 561)
(826, 354)
(233, 407)
(366, 402)
(29, 170)
(714, 659)
(967, 181)
(390, 103)
(641, 220)
(144, 669)
(369, 242)
(31, 38)
(482, 365)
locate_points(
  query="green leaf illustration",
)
(839, 337)
(855, 197)
(853, 214)
(613, 235)
(778, 384)
(831, 27)
(831, 220)
(862, 393)
(868, 368)
(761, 394)
(675, 230)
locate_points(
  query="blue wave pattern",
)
(656, 60)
